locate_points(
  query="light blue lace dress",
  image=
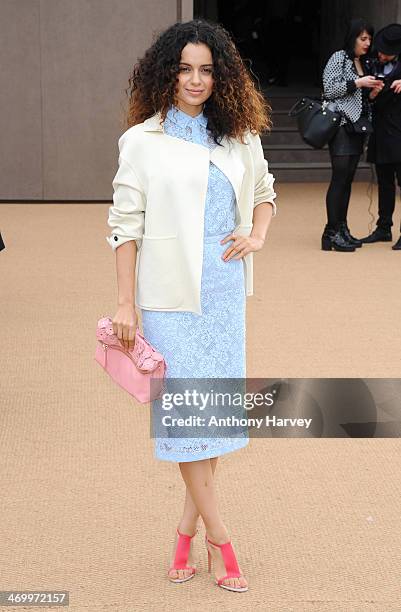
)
(210, 345)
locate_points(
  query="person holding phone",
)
(346, 84)
(384, 149)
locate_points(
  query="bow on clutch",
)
(135, 369)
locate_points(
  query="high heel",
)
(230, 564)
(181, 557)
(209, 557)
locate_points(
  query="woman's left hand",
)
(396, 85)
(241, 246)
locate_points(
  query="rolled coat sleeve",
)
(127, 215)
(334, 83)
(264, 180)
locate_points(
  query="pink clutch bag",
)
(132, 370)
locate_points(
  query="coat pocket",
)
(159, 284)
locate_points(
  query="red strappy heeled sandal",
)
(230, 563)
(181, 557)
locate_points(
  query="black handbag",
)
(362, 126)
(317, 124)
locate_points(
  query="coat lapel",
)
(228, 161)
(225, 157)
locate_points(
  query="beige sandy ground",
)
(86, 507)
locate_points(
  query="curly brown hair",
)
(235, 105)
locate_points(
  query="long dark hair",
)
(355, 28)
(235, 105)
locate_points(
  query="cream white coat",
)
(158, 201)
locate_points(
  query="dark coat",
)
(385, 143)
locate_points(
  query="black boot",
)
(397, 245)
(344, 229)
(380, 234)
(333, 239)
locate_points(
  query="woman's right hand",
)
(368, 81)
(124, 325)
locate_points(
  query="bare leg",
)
(188, 523)
(199, 478)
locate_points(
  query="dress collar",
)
(178, 116)
(155, 123)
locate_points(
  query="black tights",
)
(339, 191)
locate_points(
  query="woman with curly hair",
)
(194, 198)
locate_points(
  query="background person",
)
(347, 84)
(384, 148)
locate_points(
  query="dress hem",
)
(209, 455)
